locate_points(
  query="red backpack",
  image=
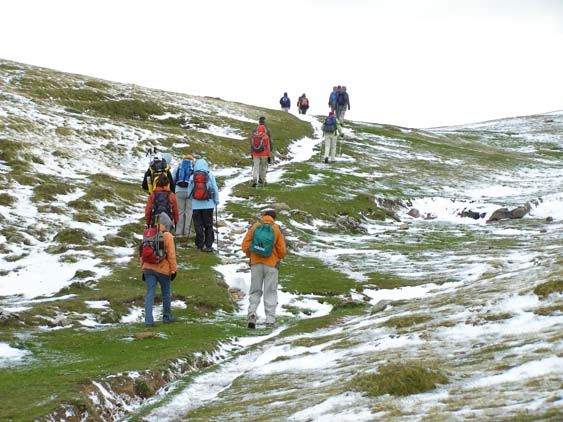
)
(152, 247)
(257, 143)
(201, 189)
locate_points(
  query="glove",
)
(269, 160)
(172, 276)
(143, 277)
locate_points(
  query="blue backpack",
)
(263, 240)
(330, 124)
(184, 172)
(341, 98)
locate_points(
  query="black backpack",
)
(161, 203)
(341, 98)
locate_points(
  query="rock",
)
(404, 226)
(500, 214)
(472, 214)
(549, 219)
(380, 306)
(350, 223)
(430, 216)
(505, 214)
(413, 212)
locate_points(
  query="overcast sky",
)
(416, 63)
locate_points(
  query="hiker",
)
(264, 266)
(163, 273)
(332, 99)
(204, 193)
(303, 104)
(162, 199)
(331, 129)
(181, 175)
(157, 167)
(342, 103)
(260, 150)
(262, 121)
(285, 102)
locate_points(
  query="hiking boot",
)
(253, 185)
(252, 321)
(149, 324)
(207, 249)
(326, 160)
(169, 320)
(270, 325)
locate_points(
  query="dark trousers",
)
(203, 223)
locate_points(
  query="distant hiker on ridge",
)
(331, 128)
(264, 244)
(332, 98)
(303, 104)
(342, 103)
(203, 190)
(285, 102)
(181, 174)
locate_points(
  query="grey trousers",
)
(259, 169)
(185, 211)
(263, 279)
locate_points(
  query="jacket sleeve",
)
(269, 133)
(175, 210)
(145, 184)
(148, 208)
(170, 250)
(280, 246)
(171, 179)
(248, 240)
(215, 188)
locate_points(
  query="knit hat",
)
(271, 213)
(261, 120)
(331, 113)
(165, 221)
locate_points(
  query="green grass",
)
(399, 379)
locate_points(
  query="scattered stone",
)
(381, 306)
(549, 219)
(505, 214)
(235, 294)
(349, 223)
(404, 226)
(430, 216)
(413, 212)
(472, 214)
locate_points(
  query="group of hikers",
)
(338, 102)
(188, 195)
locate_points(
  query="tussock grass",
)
(545, 289)
(399, 379)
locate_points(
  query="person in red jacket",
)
(260, 149)
(264, 272)
(162, 199)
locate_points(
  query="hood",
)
(201, 164)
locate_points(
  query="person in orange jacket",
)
(162, 199)
(163, 273)
(264, 272)
(260, 150)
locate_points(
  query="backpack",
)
(284, 102)
(201, 189)
(183, 173)
(152, 247)
(157, 168)
(263, 239)
(257, 141)
(332, 97)
(341, 98)
(330, 124)
(304, 102)
(161, 203)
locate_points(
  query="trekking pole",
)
(217, 226)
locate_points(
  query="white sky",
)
(416, 63)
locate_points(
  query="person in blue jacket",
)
(285, 102)
(203, 190)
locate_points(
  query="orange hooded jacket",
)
(278, 251)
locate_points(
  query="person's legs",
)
(270, 293)
(150, 281)
(255, 291)
(263, 169)
(332, 147)
(255, 169)
(327, 146)
(208, 233)
(165, 288)
(197, 217)
(182, 226)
